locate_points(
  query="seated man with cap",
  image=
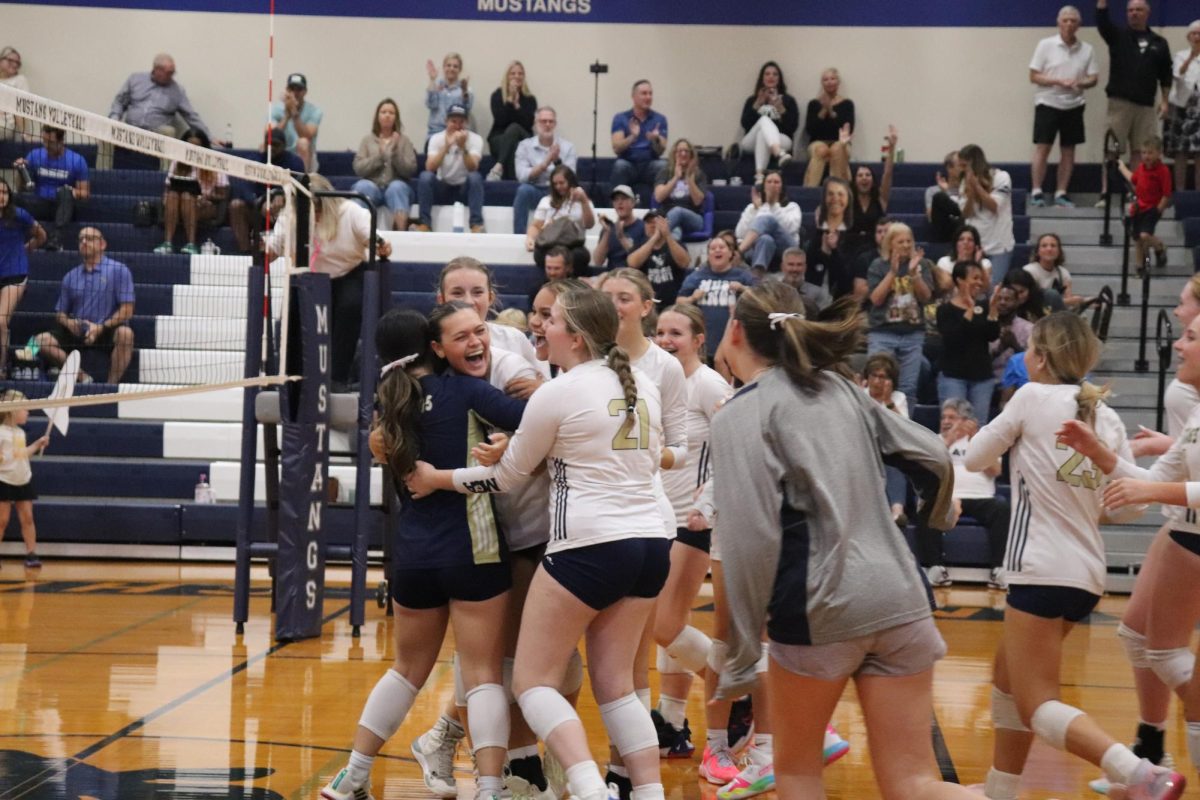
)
(299, 120)
(619, 237)
(451, 171)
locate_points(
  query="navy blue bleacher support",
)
(255, 291)
(304, 412)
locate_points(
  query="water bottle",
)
(229, 134)
(204, 492)
(27, 184)
(460, 217)
(209, 248)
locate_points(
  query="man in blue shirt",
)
(60, 180)
(639, 137)
(299, 120)
(94, 307)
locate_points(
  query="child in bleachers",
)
(16, 477)
(1152, 192)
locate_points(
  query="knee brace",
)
(388, 705)
(506, 673)
(460, 688)
(1051, 720)
(573, 679)
(716, 656)
(1173, 667)
(764, 660)
(1135, 646)
(629, 725)
(690, 648)
(1004, 712)
(545, 709)
(487, 716)
(668, 665)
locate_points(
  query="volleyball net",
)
(145, 259)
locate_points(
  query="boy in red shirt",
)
(1152, 190)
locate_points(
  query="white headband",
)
(777, 318)
(399, 362)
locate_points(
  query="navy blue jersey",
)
(448, 529)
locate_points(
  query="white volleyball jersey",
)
(1054, 533)
(1180, 464)
(1179, 400)
(522, 511)
(509, 338)
(667, 373)
(601, 459)
(706, 391)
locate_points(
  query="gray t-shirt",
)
(902, 312)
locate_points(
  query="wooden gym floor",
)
(126, 680)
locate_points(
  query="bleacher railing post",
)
(255, 292)
(1143, 365)
(1163, 345)
(1123, 297)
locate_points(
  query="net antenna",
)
(189, 312)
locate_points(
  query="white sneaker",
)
(434, 751)
(998, 579)
(556, 776)
(340, 789)
(496, 173)
(938, 576)
(1150, 782)
(1102, 785)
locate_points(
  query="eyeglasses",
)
(11, 60)
(90, 237)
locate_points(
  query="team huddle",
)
(582, 486)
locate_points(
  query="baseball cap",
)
(297, 79)
(456, 111)
(623, 189)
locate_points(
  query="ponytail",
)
(1071, 351)
(589, 314)
(1090, 395)
(400, 402)
(618, 362)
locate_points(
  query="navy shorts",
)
(701, 540)
(1052, 602)
(434, 587)
(1144, 222)
(1188, 541)
(601, 574)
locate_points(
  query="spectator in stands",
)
(829, 126)
(864, 259)
(557, 264)
(1181, 129)
(792, 266)
(715, 287)
(828, 264)
(974, 496)
(299, 120)
(769, 224)
(60, 182)
(386, 160)
(1030, 304)
(11, 126)
(535, 159)
(1139, 61)
(1062, 67)
(679, 190)
(443, 93)
(967, 247)
(662, 258)
(639, 137)
(512, 121)
(19, 233)
(942, 207)
(193, 195)
(1051, 276)
(899, 283)
(730, 238)
(987, 205)
(880, 376)
(620, 237)
(248, 208)
(452, 170)
(151, 100)
(871, 198)
(341, 242)
(967, 331)
(1014, 330)
(770, 118)
(1151, 182)
(93, 310)
(567, 200)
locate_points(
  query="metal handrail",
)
(1102, 312)
(1163, 345)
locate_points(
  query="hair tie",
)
(777, 318)
(399, 362)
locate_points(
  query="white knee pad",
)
(1173, 667)
(573, 679)
(764, 660)
(487, 716)
(545, 709)
(1193, 743)
(388, 705)
(506, 672)
(1135, 646)
(668, 665)
(690, 648)
(629, 725)
(1051, 720)
(1004, 712)
(716, 656)
(460, 688)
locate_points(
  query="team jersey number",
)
(623, 440)
(1073, 473)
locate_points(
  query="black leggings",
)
(992, 513)
(347, 305)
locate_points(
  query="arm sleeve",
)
(496, 407)
(567, 154)
(121, 101)
(526, 112)
(475, 145)
(790, 217)
(188, 113)
(690, 283)
(674, 414)
(810, 119)
(431, 97)
(1170, 467)
(743, 225)
(368, 159)
(523, 162)
(848, 115)
(125, 286)
(1108, 31)
(999, 435)
(500, 115)
(618, 124)
(749, 114)
(1039, 58)
(526, 450)
(405, 159)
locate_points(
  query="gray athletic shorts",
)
(894, 652)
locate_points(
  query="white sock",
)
(522, 752)
(489, 783)
(763, 751)
(454, 727)
(1036, 192)
(1119, 763)
(358, 771)
(1060, 193)
(717, 739)
(1001, 785)
(647, 791)
(644, 696)
(585, 780)
(673, 710)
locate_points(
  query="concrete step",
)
(1084, 209)
(1087, 230)
(1088, 256)
(1162, 292)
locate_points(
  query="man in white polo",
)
(1063, 66)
